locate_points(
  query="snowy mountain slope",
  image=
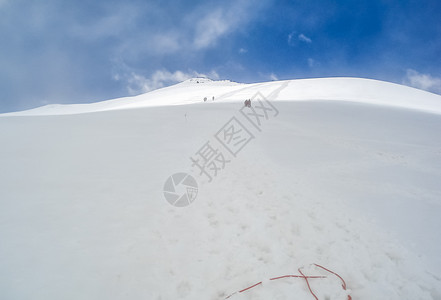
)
(196, 89)
(350, 186)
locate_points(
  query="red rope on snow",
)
(307, 282)
(298, 276)
(275, 278)
(344, 283)
(342, 280)
(250, 287)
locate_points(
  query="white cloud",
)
(304, 38)
(300, 37)
(273, 76)
(423, 81)
(268, 76)
(214, 23)
(192, 31)
(166, 43)
(311, 62)
(290, 36)
(243, 51)
(210, 28)
(106, 21)
(137, 84)
(112, 24)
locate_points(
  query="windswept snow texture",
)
(348, 179)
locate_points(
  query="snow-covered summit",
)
(195, 90)
(205, 80)
(197, 80)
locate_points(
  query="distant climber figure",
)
(248, 103)
(213, 98)
(205, 99)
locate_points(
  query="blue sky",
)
(85, 51)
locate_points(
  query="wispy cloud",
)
(304, 38)
(293, 38)
(217, 22)
(210, 28)
(112, 23)
(191, 32)
(423, 81)
(273, 76)
(290, 36)
(137, 83)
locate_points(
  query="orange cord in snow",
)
(299, 276)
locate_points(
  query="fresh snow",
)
(347, 176)
(196, 89)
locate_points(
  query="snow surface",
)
(196, 89)
(347, 176)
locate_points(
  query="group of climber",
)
(205, 99)
(247, 102)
